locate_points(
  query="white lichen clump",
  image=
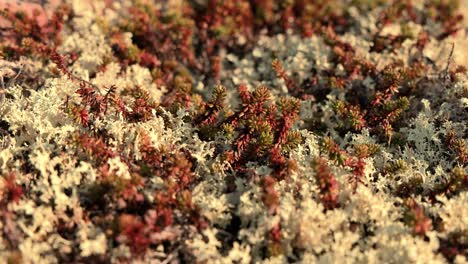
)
(372, 221)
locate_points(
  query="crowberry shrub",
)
(233, 131)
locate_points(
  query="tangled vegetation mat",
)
(210, 131)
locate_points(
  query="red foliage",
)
(423, 40)
(11, 192)
(327, 184)
(95, 147)
(164, 209)
(82, 115)
(357, 165)
(353, 116)
(281, 73)
(134, 233)
(416, 218)
(289, 114)
(148, 60)
(275, 233)
(270, 196)
(172, 165)
(262, 129)
(334, 152)
(341, 157)
(282, 166)
(209, 113)
(454, 244)
(30, 28)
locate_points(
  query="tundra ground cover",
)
(234, 132)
